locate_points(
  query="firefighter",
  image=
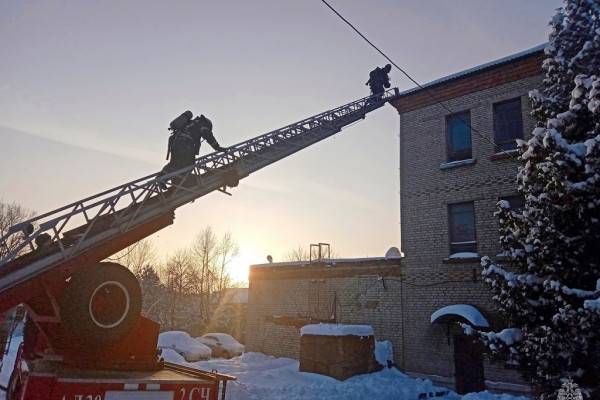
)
(379, 80)
(184, 142)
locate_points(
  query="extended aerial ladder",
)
(86, 313)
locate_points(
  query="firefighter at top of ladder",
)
(379, 80)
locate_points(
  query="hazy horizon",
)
(89, 89)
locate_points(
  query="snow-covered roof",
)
(336, 330)
(466, 312)
(479, 68)
(330, 261)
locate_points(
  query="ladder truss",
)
(77, 227)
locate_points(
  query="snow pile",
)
(268, 378)
(465, 311)
(172, 356)
(336, 330)
(222, 340)
(184, 344)
(384, 352)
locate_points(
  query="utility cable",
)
(127, 252)
(425, 89)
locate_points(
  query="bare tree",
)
(211, 257)
(204, 249)
(179, 281)
(227, 250)
(137, 256)
(11, 214)
(154, 293)
(302, 253)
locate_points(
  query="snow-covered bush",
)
(184, 344)
(548, 290)
(222, 344)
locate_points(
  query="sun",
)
(240, 265)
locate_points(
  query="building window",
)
(458, 136)
(461, 220)
(508, 124)
(516, 202)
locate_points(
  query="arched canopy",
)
(460, 312)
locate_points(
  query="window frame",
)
(451, 155)
(451, 244)
(511, 143)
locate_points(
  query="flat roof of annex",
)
(327, 268)
(514, 67)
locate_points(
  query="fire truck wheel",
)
(101, 304)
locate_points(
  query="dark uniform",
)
(184, 143)
(379, 80)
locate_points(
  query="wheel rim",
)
(109, 304)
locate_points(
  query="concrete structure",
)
(339, 351)
(452, 175)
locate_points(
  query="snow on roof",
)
(466, 72)
(336, 330)
(330, 261)
(465, 311)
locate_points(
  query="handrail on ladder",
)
(136, 193)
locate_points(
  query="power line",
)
(128, 252)
(425, 89)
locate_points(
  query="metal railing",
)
(79, 225)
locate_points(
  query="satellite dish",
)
(393, 252)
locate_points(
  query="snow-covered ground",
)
(269, 378)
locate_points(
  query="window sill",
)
(471, 260)
(459, 163)
(505, 155)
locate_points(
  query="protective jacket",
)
(184, 143)
(379, 79)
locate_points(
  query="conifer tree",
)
(548, 290)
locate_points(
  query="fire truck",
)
(84, 336)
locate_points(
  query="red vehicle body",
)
(54, 363)
(48, 380)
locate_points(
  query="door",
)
(468, 365)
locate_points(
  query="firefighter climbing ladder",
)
(44, 242)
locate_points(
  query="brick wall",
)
(425, 192)
(399, 300)
(352, 293)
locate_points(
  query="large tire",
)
(101, 304)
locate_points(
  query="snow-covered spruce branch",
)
(499, 343)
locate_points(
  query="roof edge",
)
(474, 70)
(329, 261)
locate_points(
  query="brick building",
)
(451, 177)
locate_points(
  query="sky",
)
(87, 90)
